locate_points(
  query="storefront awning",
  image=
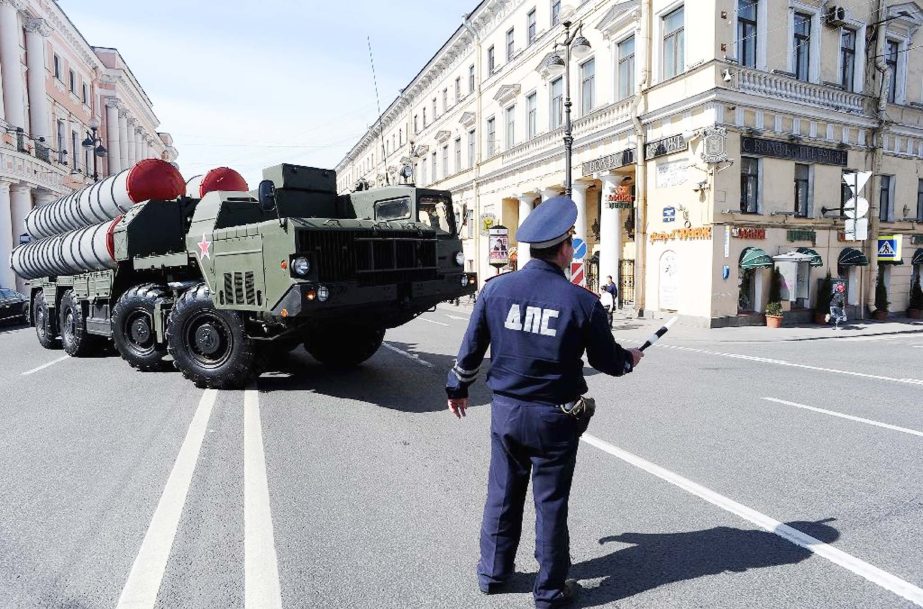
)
(816, 260)
(917, 257)
(852, 257)
(754, 258)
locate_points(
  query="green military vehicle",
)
(225, 282)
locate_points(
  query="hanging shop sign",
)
(622, 198)
(610, 161)
(799, 234)
(793, 151)
(669, 214)
(715, 149)
(746, 232)
(683, 234)
(498, 243)
(668, 145)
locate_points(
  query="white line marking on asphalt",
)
(847, 416)
(838, 557)
(780, 362)
(261, 569)
(456, 317)
(43, 366)
(432, 321)
(415, 358)
(140, 591)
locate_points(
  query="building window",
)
(510, 45)
(885, 198)
(491, 136)
(587, 86)
(471, 79)
(400, 136)
(57, 67)
(802, 46)
(627, 68)
(445, 100)
(673, 44)
(75, 149)
(472, 144)
(445, 161)
(802, 185)
(62, 145)
(749, 185)
(531, 115)
(530, 27)
(510, 127)
(848, 59)
(490, 60)
(433, 166)
(423, 172)
(435, 112)
(919, 200)
(458, 165)
(424, 118)
(457, 89)
(557, 103)
(746, 32)
(84, 92)
(555, 12)
(416, 123)
(891, 54)
(72, 81)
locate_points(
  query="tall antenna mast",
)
(381, 134)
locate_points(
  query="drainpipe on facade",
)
(466, 21)
(644, 36)
(878, 144)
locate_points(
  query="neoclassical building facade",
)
(710, 144)
(57, 92)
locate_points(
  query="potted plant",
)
(916, 301)
(774, 307)
(824, 296)
(881, 299)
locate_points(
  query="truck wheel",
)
(210, 347)
(74, 337)
(133, 327)
(344, 347)
(44, 324)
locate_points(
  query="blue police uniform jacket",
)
(538, 326)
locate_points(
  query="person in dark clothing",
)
(613, 291)
(838, 304)
(538, 326)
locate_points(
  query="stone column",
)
(610, 231)
(37, 30)
(578, 194)
(7, 276)
(20, 205)
(139, 146)
(14, 102)
(526, 200)
(123, 139)
(114, 158)
(130, 141)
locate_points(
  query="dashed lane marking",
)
(410, 356)
(780, 362)
(43, 366)
(859, 567)
(456, 317)
(847, 416)
(140, 591)
(433, 321)
(261, 569)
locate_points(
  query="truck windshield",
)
(393, 209)
(437, 213)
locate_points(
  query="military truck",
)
(224, 282)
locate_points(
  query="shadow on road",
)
(6, 326)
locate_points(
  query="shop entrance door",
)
(626, 282)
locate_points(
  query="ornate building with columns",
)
(710, 143)
(57, 92)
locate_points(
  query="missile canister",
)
(148, 179)
(85, 249)
(219, 178)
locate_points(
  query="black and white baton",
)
(656, 335)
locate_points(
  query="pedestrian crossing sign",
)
(889, 248)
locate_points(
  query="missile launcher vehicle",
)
(223, 280)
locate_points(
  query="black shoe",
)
(497, 588)
(567, 596)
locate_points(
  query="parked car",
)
(13, 306)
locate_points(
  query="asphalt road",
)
(730, 470)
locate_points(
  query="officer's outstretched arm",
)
(602, 351)
(471, 354)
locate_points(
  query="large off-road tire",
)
(74, 337)
(133, 327)
(210, 347)
(45, 328)
(344, 346)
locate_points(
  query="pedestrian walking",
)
(838, 305)
(610, 303)
(538, 326)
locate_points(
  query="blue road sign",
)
(579, 248)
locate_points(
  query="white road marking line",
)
(261, 569)
(43, 366)
(847, 416)
(411, 356)
(779, 362)
(847, 561)
(432, 321)
(908, 336)
(140, 591)
(456, 317)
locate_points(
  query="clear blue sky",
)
(253, 84)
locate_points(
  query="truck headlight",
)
(460, 258)
(301, 266)
(464, 281)
(323, 293)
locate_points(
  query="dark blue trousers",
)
(537, 439)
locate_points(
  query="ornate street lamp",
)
(95, 143)
(579, 47)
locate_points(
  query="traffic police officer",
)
(538, 326)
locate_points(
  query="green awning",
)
(917, 257)
(754, 258)
(816, 261)
(852, 257)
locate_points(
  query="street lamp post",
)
(574, 44)
(93, 142)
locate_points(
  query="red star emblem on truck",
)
(204, 244)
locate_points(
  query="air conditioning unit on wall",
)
(835, 16)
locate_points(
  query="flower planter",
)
(880, 315)
(773, 321)
(915, 313)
